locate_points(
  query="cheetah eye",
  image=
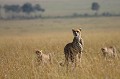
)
(77, 31)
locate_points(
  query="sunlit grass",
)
(18, 59)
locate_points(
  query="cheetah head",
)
(77, 32)
(104, 49)
(38, 52)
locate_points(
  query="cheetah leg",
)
(79, 58)
(74, 63)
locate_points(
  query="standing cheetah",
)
(73, 50)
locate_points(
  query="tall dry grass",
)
(18, 59)
(18, 44)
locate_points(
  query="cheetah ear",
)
(37, 51)
(40, 51)
(73, 29)
(80, 29)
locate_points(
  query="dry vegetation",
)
(19, 39)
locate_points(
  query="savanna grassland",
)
(20, 38)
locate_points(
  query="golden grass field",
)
(20, 38)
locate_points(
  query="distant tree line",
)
(27, 10)
(30, 11)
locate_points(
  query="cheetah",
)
(73, 50)
(109, 51)
(43, 58)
